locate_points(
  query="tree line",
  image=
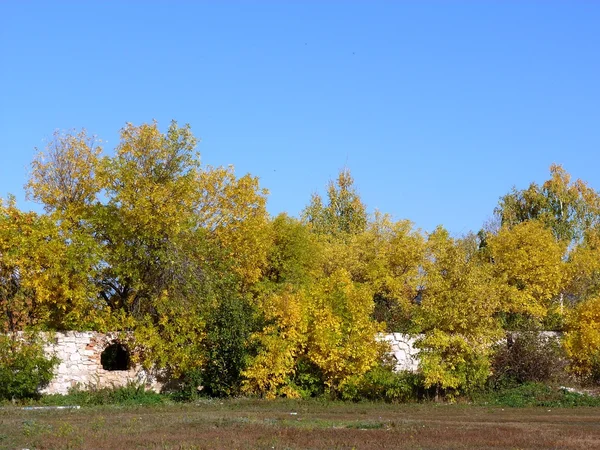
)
(209, 287)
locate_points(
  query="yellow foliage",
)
(234, 211)
(583, 268)
(528, 266)
(582, 339)
(330, 325)
(45, 274)
(281, 341)
(342, 335)
(456, 316)
(64, 177)
(392, 254)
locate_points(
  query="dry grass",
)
(288, 424)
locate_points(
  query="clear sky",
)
(437, 108)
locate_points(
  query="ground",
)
(284, 424)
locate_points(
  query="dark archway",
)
(115, 357)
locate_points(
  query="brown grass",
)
(287, 424)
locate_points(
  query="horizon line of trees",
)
(186, 258)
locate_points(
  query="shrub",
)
(537, 394)
(24, 368)
(527, 357)
(308, 379)
(188, 387)
(382, 383)
(227, 346)
(132, 394)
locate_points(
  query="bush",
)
(527, 357)
(308, 379)
(227, 347)
(24, 368)
(382, 383)
(536, 394)
(188, 387)
(132, 394)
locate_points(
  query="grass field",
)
(284, 424)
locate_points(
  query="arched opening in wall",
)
(115, 357)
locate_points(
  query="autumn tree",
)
(326, 327)
(528, 268)
(64, 177)
(456, 315)
(281, 341)
(342, 333)
(344, 212)
(571, 211)
(582, 339)
(565, 207)
(44, 277)
(583, 269)
(233, 211)
(177, 246)
(390, 258)
(317, 305)
(151, 185)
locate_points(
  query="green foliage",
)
(382, 383)
(344, 213)
(24, 368)
(567, 208)
(188, 387)
(227, 346)
(130, 395)
(536, 394)
(308, 379)
(293, 253)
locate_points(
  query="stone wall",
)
(403, 351)
(80, 363)
(80, 360)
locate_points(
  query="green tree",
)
(567, 208)
(24, 368)
(344, 212)
(294, 253)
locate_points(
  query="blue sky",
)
(437, 108)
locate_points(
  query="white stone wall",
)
(403, 351)
(79, 353)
